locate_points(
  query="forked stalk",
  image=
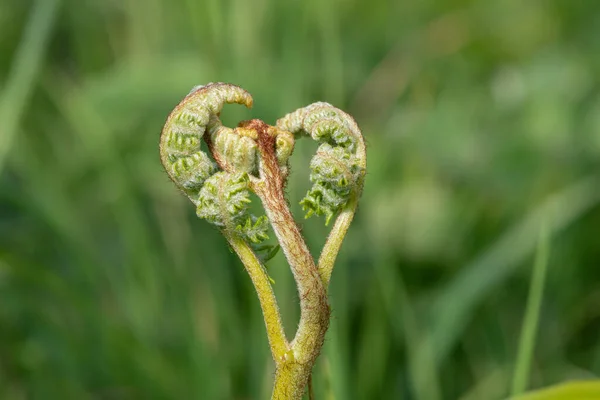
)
(253, 157)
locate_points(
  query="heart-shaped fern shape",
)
(253, 157)
(337, 169)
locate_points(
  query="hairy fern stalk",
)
(253, 157)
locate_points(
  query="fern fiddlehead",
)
(224, 200)
(253, 157)
(220, 197)
(186, 164)
(339, 164)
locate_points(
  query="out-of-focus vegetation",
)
(483, 123)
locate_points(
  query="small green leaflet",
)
(268, 252)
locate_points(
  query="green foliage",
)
(481, 118)
(334, 173)
(223, 201)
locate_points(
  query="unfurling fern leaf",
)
(336, 168)
(223, 201)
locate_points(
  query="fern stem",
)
(268, 303)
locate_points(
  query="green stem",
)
(268, 303)
(532, 315)
(335, 239)
(291, 379)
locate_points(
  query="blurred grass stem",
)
(532, 315)
(24, 70)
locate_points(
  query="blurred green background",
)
(483, 123)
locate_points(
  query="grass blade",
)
(532, 315)
(24, 70)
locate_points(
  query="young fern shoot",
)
(253, 157)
